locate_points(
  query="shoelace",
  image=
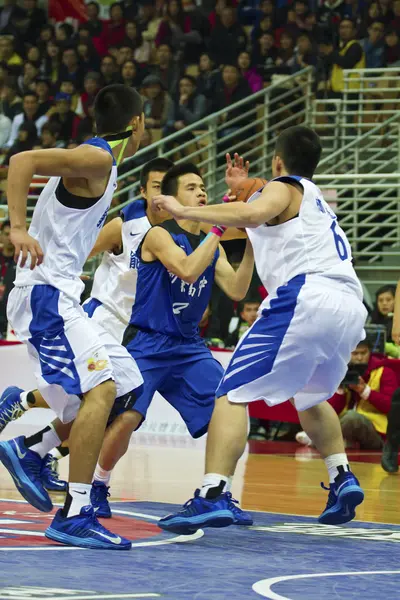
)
(52, 466)
(11, 414)
(102, 493)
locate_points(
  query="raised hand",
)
(25, 244)
(236, 170)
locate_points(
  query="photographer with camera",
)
(363, 399)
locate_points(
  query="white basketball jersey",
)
(115, 279)
(66, 235)
(311, 243)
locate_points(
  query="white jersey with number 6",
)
(311, 243)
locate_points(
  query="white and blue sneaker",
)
(241, 517)
(344, 495)
(50, 476)
(85, 531)
(25, 467)
(199, 513)
(99, 499)
(10, 406)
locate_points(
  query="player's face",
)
(153, 187)
(385, 303)
(191, 190)
(361, 355)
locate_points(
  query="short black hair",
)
(115, 106)
(34, 94)
(249, 300)
(386, 289)
(365, 342)
(190, 78)
(169, 185)
(161, 165)
(300, 149)
(94, 4)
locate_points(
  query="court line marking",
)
(254, 510)
(263, 587)
(94, 597)
(180, 539)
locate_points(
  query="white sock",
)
(228, 486)
(333, 462)
(214, 480)
(102, 475)
(56, 453)
(80, 494)
(49, 441)
(24, 400)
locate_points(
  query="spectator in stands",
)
(88, 57)
(68, 87)
(373, 46)
(108, 70)
(9, 14)
(86, 127)
(382, 313)
(228, 39)
(11, 101)
(249, 73)
(114, 30)
(264, 26)
(285, 60)
(51, 62)
(392, 48)
(304, 55)
(64, 34)
(134, 38)
(247, 311)
(5, 130)
(27, 138)
(9, 55)
(291, 26)
(27, 81)
(172, 25)
(349, 55)
(130, 74)
(7, 274)
(395, 23)
(71, 68)
(329, 15)
(250, 13)
(165, 69)
(157, 103)
(363, 407)
(32, 21)
(47, 33)
(148, 21)
(208, 76)
(188, 106)
(34, 55)
(385, 11)
(42, 90)
(233, 89)
(50, 136)
(94, 23)
(264, 55)
(125, 53)
(65, 117)
(30, 113)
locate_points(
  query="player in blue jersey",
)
(177, 266)
(71, 361)
(300, 345)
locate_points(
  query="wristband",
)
(225, 198)
(218, 230)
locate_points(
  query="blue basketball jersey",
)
(165, 303)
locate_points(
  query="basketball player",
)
(70, 359)
(177, 265)
(301, 343)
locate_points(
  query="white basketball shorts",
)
(70, 355)
(300, 345)
(100, 314)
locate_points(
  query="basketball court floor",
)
(286, 555)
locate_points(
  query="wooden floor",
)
(272, 476)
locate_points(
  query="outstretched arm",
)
(274, 199)
(84, 162)
(159, 245)
(235, 284)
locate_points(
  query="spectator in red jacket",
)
(363, 407)
(114, 31)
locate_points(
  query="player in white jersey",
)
(70, 361)
(301, 343)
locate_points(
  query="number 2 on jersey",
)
(339, 243)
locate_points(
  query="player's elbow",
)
(188, 277)
(236, 295)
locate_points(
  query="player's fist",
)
(169, 204)
(25, 244)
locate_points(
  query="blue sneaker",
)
(10, 406)
(85, 531)
(25, 466)
(99, 499)
(241, 517)
(344, 495)
(50, 477)
(198, 513)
